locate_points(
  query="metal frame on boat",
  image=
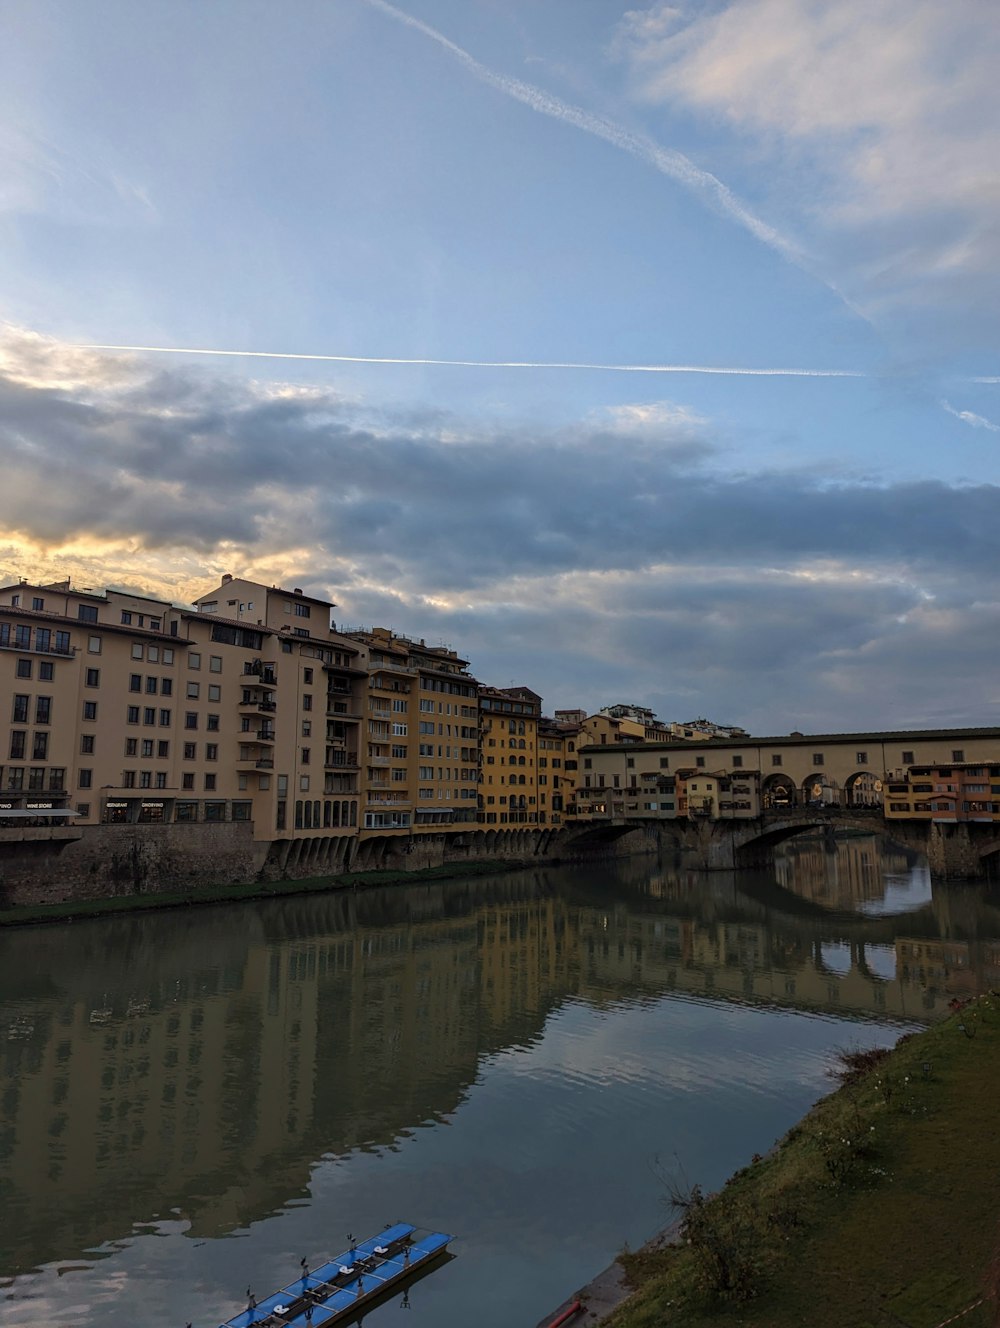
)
(344, 1287)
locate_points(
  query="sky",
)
(639, 352)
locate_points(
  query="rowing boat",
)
(346, 1285)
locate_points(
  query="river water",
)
(192, 1100)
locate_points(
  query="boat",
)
(347, 1285)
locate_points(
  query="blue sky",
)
(763, 185)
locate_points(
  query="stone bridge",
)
(963, 851)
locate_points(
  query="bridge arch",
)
(863, 789)
(777, 791)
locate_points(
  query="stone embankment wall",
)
(111, 860)
(99, 862)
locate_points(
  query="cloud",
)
(625, 556)
(969, 417)
(880, 125)
(668, 161)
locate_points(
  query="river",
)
(192, 1100)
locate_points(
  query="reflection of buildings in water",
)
(238, 1046)
(951, 967)
(854, 872)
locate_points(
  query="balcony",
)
(387, 802)
(378, 760)
(257, 705)
(264, 674)
(341, 761)
(263, 735)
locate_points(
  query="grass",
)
(881, 1209)
(22, 915)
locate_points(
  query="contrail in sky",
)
(666, 160)
(485, 364)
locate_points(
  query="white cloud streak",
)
(667, 161)
(969, 417)
(483, 364)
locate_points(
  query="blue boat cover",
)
(354, 1290)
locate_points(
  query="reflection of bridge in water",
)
(229, 1049)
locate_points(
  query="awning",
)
(37, 811)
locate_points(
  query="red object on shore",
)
(567, 1314)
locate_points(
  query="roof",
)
(41, 615)
(810, 739)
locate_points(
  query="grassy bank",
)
(881, 1208)
(21, 915)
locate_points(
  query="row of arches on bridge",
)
(862, 789)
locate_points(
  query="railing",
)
(264, 765)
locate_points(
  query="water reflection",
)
(195, 1067)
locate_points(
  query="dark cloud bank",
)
(594, 564)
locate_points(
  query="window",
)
(664, 762)
(817, 758)
(194, 659)
(737, 762)
(307, 701)
(958, 754)
(168, 655)
(40, 747)
(215, 811)
(145, 779)
(43, 638)
(190, 720)
(215, 663)
(137, 651)
(214, 692)
(166, 687)
(210, 782)
(189, 751)
(90, 710)
(45, 671)
(43, 709)
(162, 750)
(306, 754)
(24, 668)
(37, 604)
(187, 781)
(147, 747)
(62, 643)
(399, 730)
(135, 682)
(160, 779)
(87, 613)
(211, 751)
(776, 760)
(304, 783)
(93, 645)
(18, 739)
(151, 686)
(93, 677)
(700, 762)
(85, 778)
(149, 714)
(307, 728)
(22, 637)
(186, 811)
(128, 779)
(302, 611)
(126, 618)
(153, 654)
(212, 723)
(132, 715)
(20, 709)
(907, 758)
(307, 676)
(86, 744)
(193, 689)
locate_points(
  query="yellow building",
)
(509, 789)
(423, 735)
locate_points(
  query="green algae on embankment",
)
(882, 1207)
(69, 910)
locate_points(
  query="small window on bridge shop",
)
(186, 811)
(958, 754)
(117, 812)
(776, 759)
(907, 758)
(152, 811)
(900, 807)
(737, 762)
(860, 758)
(817, 758)
(241, 811)
(700, 762)
(215, 811)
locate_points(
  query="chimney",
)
(296, 590)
